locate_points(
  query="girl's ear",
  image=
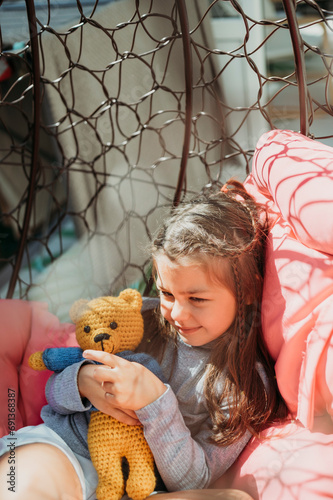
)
(77, 309)
(132, 297)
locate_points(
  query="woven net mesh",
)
(113, 112)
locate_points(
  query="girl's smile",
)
(186, 333)
(199, 308)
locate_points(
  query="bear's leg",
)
(141, 480)
(111, 485)
(106, 458)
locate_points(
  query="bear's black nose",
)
(101, 336)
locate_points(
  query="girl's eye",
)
(197, 299)
(166, 294)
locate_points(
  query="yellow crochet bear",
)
(112, 324)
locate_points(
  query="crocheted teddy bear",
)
(115, 325)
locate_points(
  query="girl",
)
(208, 263)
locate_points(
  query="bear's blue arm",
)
(58, 358)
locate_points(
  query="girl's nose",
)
(179, 312)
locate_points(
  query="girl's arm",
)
(79, 387)
(184, 462)
(62, 391)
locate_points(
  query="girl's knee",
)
(38, 472)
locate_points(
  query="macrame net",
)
(112, 112)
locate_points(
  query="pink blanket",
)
(293, 176)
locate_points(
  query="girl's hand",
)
(128, 385)
(93, 390)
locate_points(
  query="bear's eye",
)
(87, 329)
(113, 325)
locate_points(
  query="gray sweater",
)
(176, 426)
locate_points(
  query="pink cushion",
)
(293, 175)
(296, 174)
(26, 327)
(292, 464)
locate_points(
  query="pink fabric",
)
(293, 176)
(296, 174)
(26, 327)
(292, 464)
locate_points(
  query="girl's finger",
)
(107, 387)
(102, 357)
(104, 374)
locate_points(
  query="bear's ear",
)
(77, 309)
(132, 297)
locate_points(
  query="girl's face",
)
(199, 308)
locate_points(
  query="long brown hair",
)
(228, 227)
